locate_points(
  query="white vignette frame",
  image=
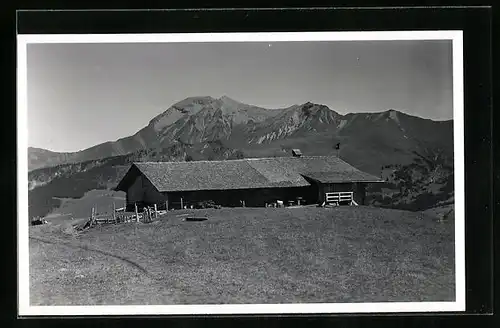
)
(24, 307)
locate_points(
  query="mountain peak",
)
(393, 115)
(196, 99)
(228, 100)
(396, 115)
(316, 108)
(392, 111)
(187, 106)
(224, 97)
(309, 104)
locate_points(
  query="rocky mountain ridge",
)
(204, 119)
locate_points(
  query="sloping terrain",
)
(427, 182)
(243, 255)
(38, 158)
(80, 208)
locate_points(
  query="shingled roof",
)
(250, 173)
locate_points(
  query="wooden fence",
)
(119, 215)
(339, 197)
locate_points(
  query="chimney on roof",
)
(296, 153)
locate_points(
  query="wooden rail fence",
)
(336, 198)
(119, 215)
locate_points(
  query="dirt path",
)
(57, 241)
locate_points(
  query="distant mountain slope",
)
(38, 158)
(399, 130)
(192, 120)
(298, 120)
(203, 119)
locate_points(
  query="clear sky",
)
(80, 95)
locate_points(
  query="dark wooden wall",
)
(360, 193)
(142, 192)
(252, 197)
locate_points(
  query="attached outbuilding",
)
(254, 181)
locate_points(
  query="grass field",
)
(247, 255)
(102, 200)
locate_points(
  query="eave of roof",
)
(342, 177)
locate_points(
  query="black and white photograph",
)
(241, 173)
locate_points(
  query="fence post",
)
(156, 212)
(114, 212)
(182, 204)
(166, 205)
(136, 213)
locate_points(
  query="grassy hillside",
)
(347, 254)
(101, 200)
(425, 183)
(42, 200)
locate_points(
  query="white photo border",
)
(24, 307)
